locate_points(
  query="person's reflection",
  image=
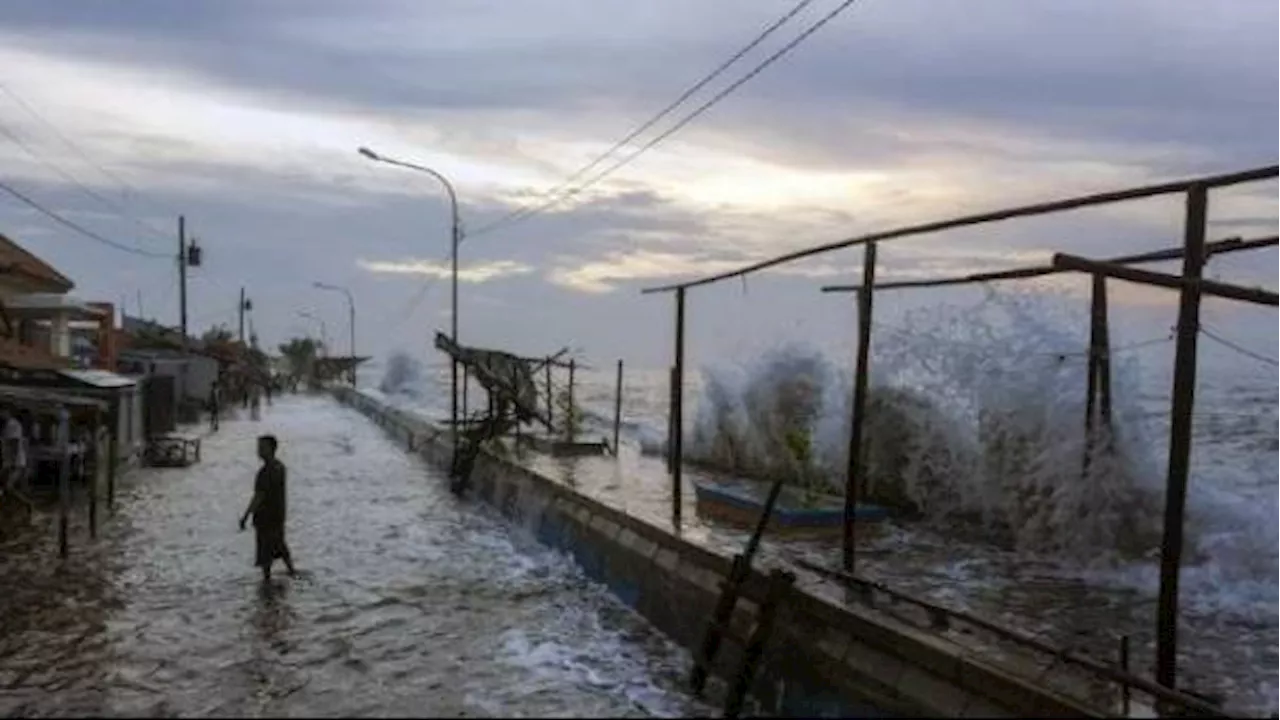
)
(271, 621)
(273, 616)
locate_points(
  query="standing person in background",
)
(255, 402)
(215, 405)
(14, 462)
(268, 510)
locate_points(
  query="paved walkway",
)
(411, 603)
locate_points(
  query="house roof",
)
(99, 378)
(24, 357)
(45, 304)
(30, 271)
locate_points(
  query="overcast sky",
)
(245, 117)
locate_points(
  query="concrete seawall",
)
(823, 659)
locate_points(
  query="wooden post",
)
(551, 404)
(92, 477)
(1125, 691)
(671, 414)
(860, 376)
(1104, 359)
(113, 450)
(677, 415)
(617, 409)
(571, 417)
(64, 479)
(1184, 385)
(466, 381)
(1097, 319)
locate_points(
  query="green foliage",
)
(301, 355)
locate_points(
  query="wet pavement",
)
(411, 603)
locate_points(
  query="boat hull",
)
(740, 505)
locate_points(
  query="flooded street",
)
(410, 603)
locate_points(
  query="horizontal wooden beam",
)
(1262, 173)
(1216, 247)
(1257, 296)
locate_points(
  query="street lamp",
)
(351, 321)
(455, 239)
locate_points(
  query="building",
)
(38, 323)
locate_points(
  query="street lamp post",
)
(351, 321)
(456, 237)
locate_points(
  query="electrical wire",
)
(107, 202)
(125, 186)
(79, 228)
(682, 122)
(689, 92)
(1233, 346)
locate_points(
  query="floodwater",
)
(411, 603)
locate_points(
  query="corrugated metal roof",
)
(99, 378)
(28, 397)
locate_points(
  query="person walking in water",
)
(215, 403)
(268, 510)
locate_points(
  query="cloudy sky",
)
(245, 116)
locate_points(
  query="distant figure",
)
(215, 405)
(268, 387)
(255, 403)
(14, 459)
(268, 510)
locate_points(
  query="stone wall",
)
(823, 660)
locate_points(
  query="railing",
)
(941, 618)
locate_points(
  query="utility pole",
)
(242, 309)
(182, 278)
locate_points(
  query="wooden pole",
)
(466, 381)
(677, 415)
(617, 408)
(1097, 314)
(64, 480)
(1125, 691)
(570, 418)
(113, 450)
(1184, 385)
(860, 377)
(1104, 358)
(551, 413)
(1179, 186)
(1256, 296)
(671, 414)
(92, 478)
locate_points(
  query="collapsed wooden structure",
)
(1190, 283)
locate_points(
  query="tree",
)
(217, 335)
(301, 356)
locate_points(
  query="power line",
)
(517, 214)
(691, 116)
(125, 186)
(1233, 346)
(79, 228)
(72, 179)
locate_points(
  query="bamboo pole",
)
(1097, 318)
(1184, 384)
(1146, 277)
(677, 415)
(855, 474)
(466, 382)
(551, 413)
(1104, 198)
(1217, 247)
(617, 408)
(671, 415)
(571, 417)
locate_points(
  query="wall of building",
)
(824, 659)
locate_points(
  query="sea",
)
(1063, 580)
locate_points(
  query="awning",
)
(99, 379)
(40, 399)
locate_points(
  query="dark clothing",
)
(269, 485)
(269, 515)
(271, 545)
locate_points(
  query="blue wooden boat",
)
(738, 502)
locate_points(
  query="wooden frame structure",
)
(1190, 284)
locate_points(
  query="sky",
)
(244, 117)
